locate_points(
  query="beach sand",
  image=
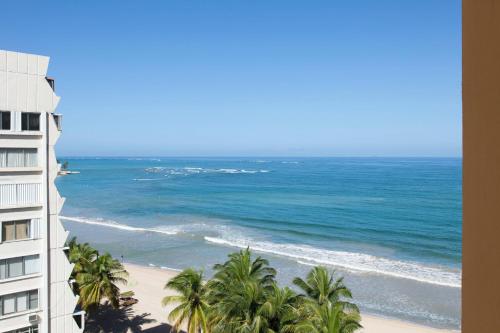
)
(148, 282)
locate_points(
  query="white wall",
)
(30, 193)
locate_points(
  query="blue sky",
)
(234, 78)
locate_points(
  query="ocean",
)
(391, 226)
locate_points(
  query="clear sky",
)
(261, 78)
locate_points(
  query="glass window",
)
(33, 299)
(31, 329)
(9, 304)
(30, 157)
(24, 121)
(34, 122)
(30, 121)
(22, 229)
(22, 302)
(3, 269)
(15, 230)
(15, 157)
(4, 120)
(32, 264)
(19, 302)
(8, 231)
(18, 157)
(15, 267)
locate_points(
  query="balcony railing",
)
(20, 195)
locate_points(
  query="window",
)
(14, 267)
(4, 120)
(31, 329)
(32, 264)
(18, 157)
(8, 304)
(30, 121)
(33, 299)
(15, 230)
(18, 302)
(22, 302)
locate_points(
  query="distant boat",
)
(67, 172)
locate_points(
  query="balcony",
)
(24, 195)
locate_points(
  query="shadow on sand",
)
(122, 320)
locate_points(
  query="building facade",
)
(35, 293)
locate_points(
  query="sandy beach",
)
(148, 282)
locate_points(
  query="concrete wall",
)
(30, 193)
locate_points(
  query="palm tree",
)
(326, 308)
(321, 286)
(243, 297)
(328, 318)
(240, 267)
(282, 309)
(81, 255)
(193, 306)
(98, 280)
(237, 291)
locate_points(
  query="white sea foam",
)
(171, 269)
(223, 170)
(302, 254)
(164, 267)
(357, 262)
(196, 170)
(112, 224)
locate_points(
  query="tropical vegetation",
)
(192, 305)
(96, 276)
(243, 296)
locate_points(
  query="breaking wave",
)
(193, 170)
(302, 254)
(113, 224)
(358, 262)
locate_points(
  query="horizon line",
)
(261, 156)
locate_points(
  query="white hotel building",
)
(35, 294)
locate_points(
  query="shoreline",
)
(147, 282)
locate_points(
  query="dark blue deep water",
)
(392, 226)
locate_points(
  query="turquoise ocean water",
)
(392, 226)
